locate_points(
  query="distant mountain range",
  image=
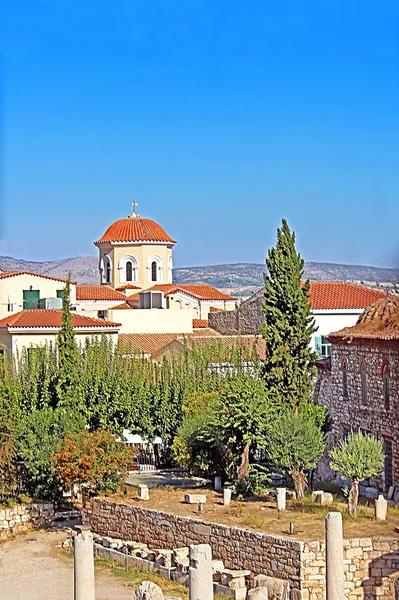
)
(241, 279)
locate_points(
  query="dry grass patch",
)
(260, 513)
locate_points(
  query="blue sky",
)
(220, 117)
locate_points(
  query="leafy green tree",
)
(197, 445)
(242, 413)
(8, 446)
(68, 380)
(38, 436)
(94, 458)
(357, 457)
(288, 327)
(295, 443)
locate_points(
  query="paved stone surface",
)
(159, 478)
(32, 568)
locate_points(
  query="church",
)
(134, 299)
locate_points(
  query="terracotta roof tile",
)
(340, 295)
(135, 229)
(98, 292)
(128, 286)
(123, 306)
(378, 321)
(198, 290)
(38, 318)
(200, 323)
(6, 274)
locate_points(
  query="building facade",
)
(359, 382)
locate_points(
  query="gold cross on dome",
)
(134, 205)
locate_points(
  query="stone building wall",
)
(22, 517)
(246, 319)
(350, 412)
(371, 566)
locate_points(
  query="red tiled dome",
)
(135, 229)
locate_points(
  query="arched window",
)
(129, 271)
(178, 304)
(187, 306)
(170, 270)
(385, 383)
(106, 269)
(363, 383)
(345, 379)
(154, 270)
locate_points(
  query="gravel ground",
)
(33, 568)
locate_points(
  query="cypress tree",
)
(68, 381)
(289, 371)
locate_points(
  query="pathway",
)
(33, 568)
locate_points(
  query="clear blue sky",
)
(221, 117)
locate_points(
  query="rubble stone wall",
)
(371, 565)
(351, 411)
(239, 548)
(23, 517)
(246, 319)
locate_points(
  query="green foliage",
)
(38, 435)
(92, 458)
(288, 327)
(256, 483)
(358, 457)
(295, 443)
(241, 415)
(8, 447)
(197, 445)
(68, 383)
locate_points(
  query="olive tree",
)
(295, 444)
(357, 457)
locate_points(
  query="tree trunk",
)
(299, 480)
(242, 470)
(353, 498)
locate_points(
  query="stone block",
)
(277, 588)
(143, 493)
(317, 497)
(148, 590)
(381, 507)
(327, 499)
(194, 498)
(258, 593)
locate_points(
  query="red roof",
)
(200, 323)
(128, 286)
(378, 321)
(338, 295)
(123, 306)
(201, 291)
(38, 318)
(135, 229)
(98, 292)
(5, 274)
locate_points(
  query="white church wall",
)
(152, 320)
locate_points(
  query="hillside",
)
(241, 279)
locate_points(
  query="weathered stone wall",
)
(371, 566)
(246, 319)
(371, 569)
(239, 548)
(350, 412)
(22, 517)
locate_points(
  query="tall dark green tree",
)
(68, 381)
(288, 327)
